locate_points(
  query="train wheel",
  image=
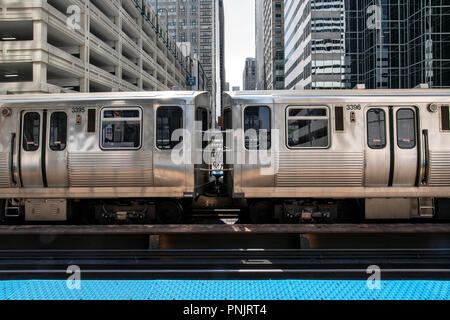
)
(169, 212)
(262, 212)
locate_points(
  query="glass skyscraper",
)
(379, 43)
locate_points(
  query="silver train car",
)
(59, 152)
(385, 153)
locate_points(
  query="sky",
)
(239, 38)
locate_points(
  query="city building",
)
(52, 46)
(382, 44)
(236, 88)
(273, 26)
(249, 77)
(259, 45)
(315, 44)
(200, 22)
(197, 80)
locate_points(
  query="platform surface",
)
(224, 290)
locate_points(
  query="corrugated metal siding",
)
(4, 170)
(297, 168)
(111, 169)
(439, 169)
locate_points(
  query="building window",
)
(168, 119)
(121, 128)
(376, 129)
(406, 129)
(257, 126)
(31, 131)
(308, 127)
(58, 131)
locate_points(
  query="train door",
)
(257, 146)
(392, 147)
(169, 120)
(43, 150)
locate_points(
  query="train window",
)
(228, 120)
(202, 116)
(376, 128)
(31, 131)
(445, 118)
(308, 128)
(339, 119)
(168, 119)
(121, 128)
(58, 131)
(406, 129)
(257, 125)
(92, 113)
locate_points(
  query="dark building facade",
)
(382, 43)
(273, 29)
(249, 76)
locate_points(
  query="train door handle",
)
(425, 162)
(11, 159)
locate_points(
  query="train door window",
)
(406, 129)
(228, 127)
(339, 119)
(257, 119)
(308, 127)
(202, 116)
(228, 121)
(58, 131)
(121, 128)
(445, 118)
(31, 131)
(92, 113)
(376, 128)
(168, 119)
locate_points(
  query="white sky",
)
(239, 38)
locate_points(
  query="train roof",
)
(105, 96)
(351, 92)
(341, 96)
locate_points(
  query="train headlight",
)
(433, 108)
(6, 112)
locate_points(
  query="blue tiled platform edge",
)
(224, 290)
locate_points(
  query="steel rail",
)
(227, 264)
(400, 228)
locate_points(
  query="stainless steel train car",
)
(385, 153)
(59, 153)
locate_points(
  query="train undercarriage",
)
(176, 211)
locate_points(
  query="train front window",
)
(31, 131)
(406, 129)
(376, 128)
(58, 131)
(257, 128)
(121, 128)
(168, 120)
(308, 127)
